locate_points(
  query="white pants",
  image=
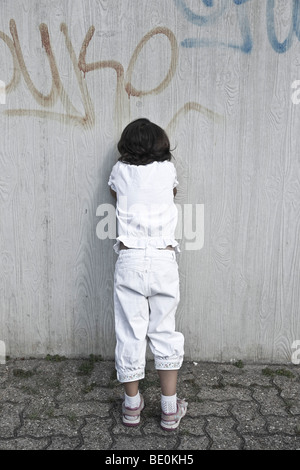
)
(146, 295)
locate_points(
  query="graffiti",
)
(214, 12)
(192, 106)
(246, 42)
(281, 47)
(124, 90)
(57, 90)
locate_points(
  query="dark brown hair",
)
(143, 142)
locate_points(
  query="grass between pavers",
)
(239, 364)
(87, 366)
(55, 358)
(281, 372)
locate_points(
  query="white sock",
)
(169, 403)
(132, 402)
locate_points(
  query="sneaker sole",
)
(131, 424)
(171, 427)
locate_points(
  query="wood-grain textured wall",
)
(218, 76)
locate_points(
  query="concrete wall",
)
(218, 76)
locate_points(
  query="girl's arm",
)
(113, 193)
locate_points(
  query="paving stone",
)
(9, 419)
(3, 375)
(279, 424)
(64, 443)
(71, 389)
(28, 364)
(150, 442)
(248, 417)
(278, 442)
(188, 442)
(193, 426)
(19, 394)
(244, 377)
(203, 376)
(208, 407)
(293, 406)
(43, 408)
(90, 392)
(224, 393)
(290, 393)
(103, 373)
(67, 405)
(67, 426)
(23, 443)
(87, 408)
(270, 401)
(222, 434)
(96, 434)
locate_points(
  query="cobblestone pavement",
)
(58, 403)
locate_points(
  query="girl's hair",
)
(143, 142)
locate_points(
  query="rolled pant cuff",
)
(167, 364)
(130, 376)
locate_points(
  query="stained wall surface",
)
(221, 78)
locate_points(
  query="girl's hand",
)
(113, 193)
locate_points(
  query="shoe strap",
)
(171, 417)
(130, 412)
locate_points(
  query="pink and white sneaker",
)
(171, 421)
(132, 416)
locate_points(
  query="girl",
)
(146, 282)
